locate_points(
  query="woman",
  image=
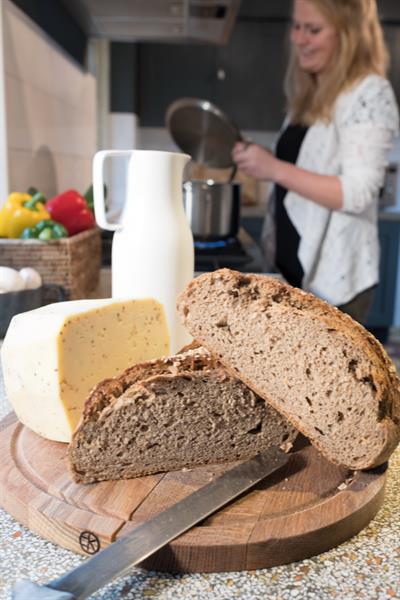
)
(321, 227)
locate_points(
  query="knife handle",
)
(26, 590)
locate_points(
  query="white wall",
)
(123, 134)
(50, 110)
(3, 135)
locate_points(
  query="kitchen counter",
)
(257, 211)
(366, 566)
(389, 214)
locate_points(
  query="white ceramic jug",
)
(152, 248)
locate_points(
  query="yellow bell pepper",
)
(20, 211)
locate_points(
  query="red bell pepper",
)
(71, 210)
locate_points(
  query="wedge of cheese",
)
(54, 355)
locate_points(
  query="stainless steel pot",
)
(212, 208)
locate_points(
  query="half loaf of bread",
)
(171, 413)
(326, 373)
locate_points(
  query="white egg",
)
(10, 280)
(31, 277)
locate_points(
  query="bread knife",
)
(149, 537)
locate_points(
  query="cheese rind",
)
(54, 355)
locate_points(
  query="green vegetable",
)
(88, 195)
(32, 191)
(38, 197)
(29, 233)
(45, 230)
(46, 234)
(20, 211)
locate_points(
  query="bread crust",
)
(141, 390)
(190, 359)
(230, 296)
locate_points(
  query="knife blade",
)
(149, 537)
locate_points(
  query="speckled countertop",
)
(367, 566)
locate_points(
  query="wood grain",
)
(302, 510)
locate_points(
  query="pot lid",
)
(201, 129)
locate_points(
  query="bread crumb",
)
(286, 447)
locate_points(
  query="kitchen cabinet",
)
(253, 226)
(250, 72)
(244, 78)
(392, 38)
(170, 71)
(55, 18)
(381, 315)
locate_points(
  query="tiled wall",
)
(50, 110)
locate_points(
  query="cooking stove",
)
(240, 253)
(230, 253)
(211, 255)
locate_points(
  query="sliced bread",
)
(326, 373)
(171, 413)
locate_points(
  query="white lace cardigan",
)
(339, 250)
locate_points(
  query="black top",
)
(287, 238)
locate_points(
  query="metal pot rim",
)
(205, 183)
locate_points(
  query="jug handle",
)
(98, 187)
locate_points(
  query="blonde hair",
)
(360, 50)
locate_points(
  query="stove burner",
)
(212, 244)
(211, 255)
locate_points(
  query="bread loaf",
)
(168, 414)
(326, 373)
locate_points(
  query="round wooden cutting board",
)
(305, 508)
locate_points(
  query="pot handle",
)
(247, 142)
(98, 187)
(233, 173)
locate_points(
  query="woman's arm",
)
(260, 163)
(325, 190)
(367, 121)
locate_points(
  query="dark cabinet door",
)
(249, 75)
(392, 39)
(170, 71)
(382, 311)
(244, 78)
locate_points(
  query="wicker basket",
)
(73, 263)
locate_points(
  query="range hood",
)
(208, 21)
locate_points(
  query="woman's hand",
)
(254, 160)
(260, 163)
